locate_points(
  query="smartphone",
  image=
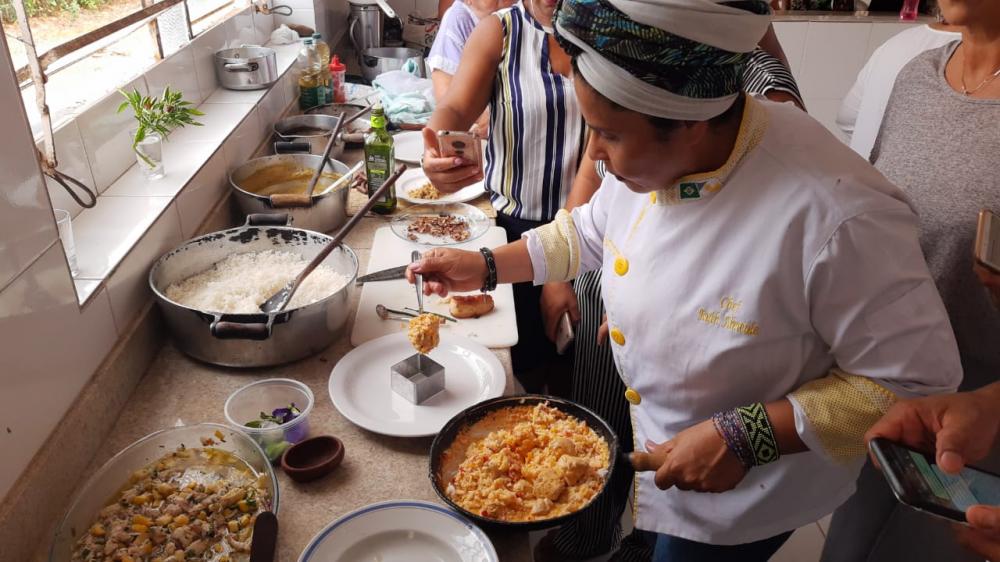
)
(987, 247)
(918, 482)
(462, 144)
(564, 334)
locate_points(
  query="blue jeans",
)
(675, 549)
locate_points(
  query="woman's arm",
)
(472, 85)
(441, 80)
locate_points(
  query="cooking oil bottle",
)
(380, 161)
(310, 88)
(323, 54)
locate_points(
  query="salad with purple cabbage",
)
(275, 443)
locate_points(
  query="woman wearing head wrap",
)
(765, 290)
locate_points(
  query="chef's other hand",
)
(449, 173)
(558, 299)
(446, 270)
(602, 331)
(983, 535)
(991, 280)
(695, 459)
(959, 428)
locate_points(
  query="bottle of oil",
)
(380, 161)
(323, 54)
(310, 88)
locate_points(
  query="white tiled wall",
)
(826, 57)
(49, 343)
(27, 227)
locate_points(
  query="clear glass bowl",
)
(247, 403)
(114, 475)
(476, 220)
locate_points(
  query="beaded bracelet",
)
(748, 433)
(730, 428)
(759, 433)
(491, 270)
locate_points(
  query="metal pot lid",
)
(245, 52)
(393, 53)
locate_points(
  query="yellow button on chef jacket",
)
(806, 258)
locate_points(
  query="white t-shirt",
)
(860, 115)
(721, 292)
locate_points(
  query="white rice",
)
(242, 282)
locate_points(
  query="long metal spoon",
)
(415, 257)
(278, 301)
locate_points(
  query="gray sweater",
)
(943, 150)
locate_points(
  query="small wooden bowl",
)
(312, 458)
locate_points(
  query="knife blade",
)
(390, 274)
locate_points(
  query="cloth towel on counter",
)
(406, 97)
(283, 36)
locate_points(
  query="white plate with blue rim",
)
(395, 531)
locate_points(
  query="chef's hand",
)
(558, 299)
(983, 535)
(448, 173)
(446, 270)
(602, 331)
(959, 428)
(695, 459)
(990, 280)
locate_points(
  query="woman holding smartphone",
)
(514, 67)
(939, 142)
(762, 281)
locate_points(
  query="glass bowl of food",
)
(195, 488)
(273, 412)
(441, 225)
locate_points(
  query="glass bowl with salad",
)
(273, 412)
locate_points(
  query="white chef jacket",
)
(743, 290)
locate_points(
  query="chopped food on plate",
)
(424, 332)
(191, 504)
(471, 306)
(441, 226)
(425, 191)
(538, 463)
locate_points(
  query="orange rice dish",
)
(541, 463)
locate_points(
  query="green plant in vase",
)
(155, 119)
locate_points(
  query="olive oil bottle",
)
(380, 161)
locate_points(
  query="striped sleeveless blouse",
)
(537, 135)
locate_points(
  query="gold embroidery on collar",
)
(696, 186)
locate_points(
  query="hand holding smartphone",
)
(987, 245)
(461, 144)
(564, 334)
(918, 482)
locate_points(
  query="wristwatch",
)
(490, 283)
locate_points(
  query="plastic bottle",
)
(309, 76)
(323, 53)
(909, 10)
(338, 75)
(380, 160)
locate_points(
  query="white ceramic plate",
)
(400, 531)
(409, 146)
(473, 217)
(415, 177)
(359, 384)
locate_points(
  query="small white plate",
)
(408, 146)
(359, 384)
(400, 531)
(474, 218)
(415, 177)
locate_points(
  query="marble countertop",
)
(178, 390)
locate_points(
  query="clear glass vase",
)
(149, 155)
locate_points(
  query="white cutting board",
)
(496, 329)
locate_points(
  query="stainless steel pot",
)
(246, 68)
(306, 133)
(253, 340)
(384, 59)
(327, 212)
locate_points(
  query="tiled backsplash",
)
(52, 344)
